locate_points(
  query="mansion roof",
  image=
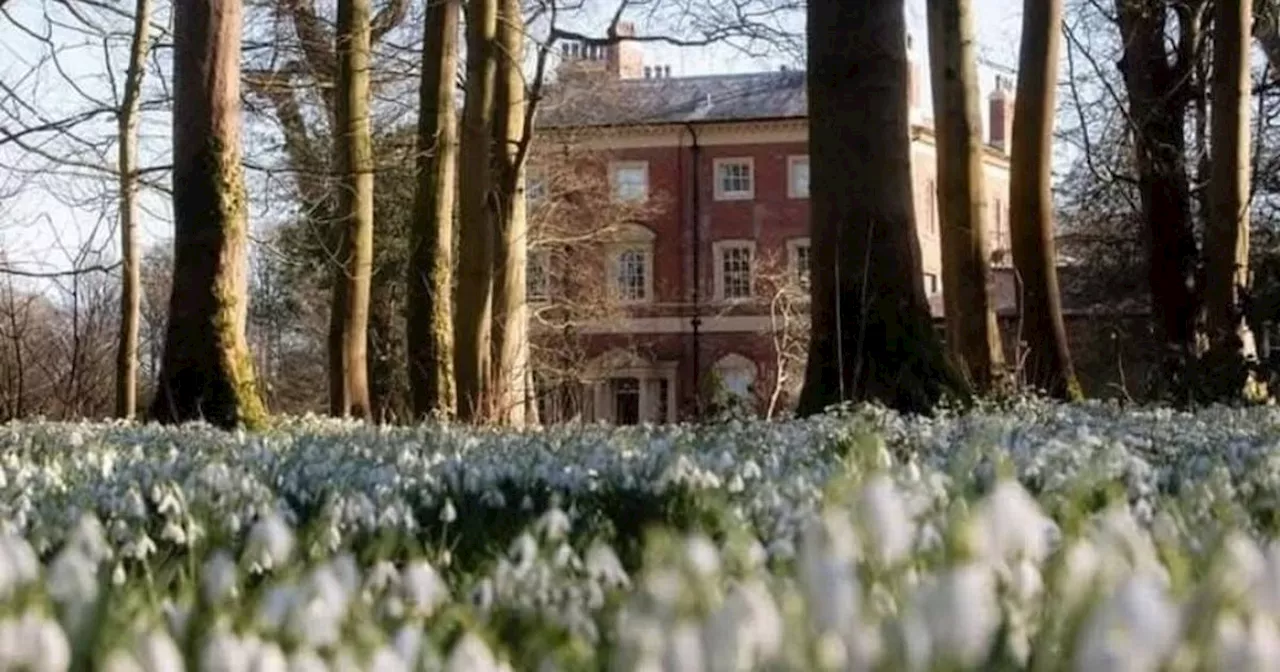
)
(713, 98)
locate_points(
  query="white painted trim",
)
(792, 162)
(717, 256)
(720, 193)
(615, 166)
(793, 247)
(725, 324)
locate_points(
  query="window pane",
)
(735, 178)
(632, 275)
(801, 265)
(631, 183)
(800, 178)
(736, 272)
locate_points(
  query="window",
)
(733, 269)
(734, 179)
(537, 280)
(798, 177)
(931, 207)
(931, 283)
(632, 278)
(798, 261)
(630, 180)
(631, 264)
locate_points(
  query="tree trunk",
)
(430, 312)
(973, 336)
(1047, 365)
(1158, 94)
(510, 309)
(872, 335)
(1227, 240)
(206, 373)
(473, 321)
(131, 267)
(349, 319)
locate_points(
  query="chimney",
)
(666, 71)
(1000, 114)
(648, 72)
(625, 58)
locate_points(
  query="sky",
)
(41, 232)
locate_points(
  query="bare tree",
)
(131, 272)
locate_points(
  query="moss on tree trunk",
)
(206, 372)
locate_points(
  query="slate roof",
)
(739, 97)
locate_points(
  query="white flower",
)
(604, 566)
(268, 657)
(423, 587)
(157, 652)
(746, 631)
(223, 652)
(270, 543)
(219, 578)
(470, 654)
(962, 614)
(1252, 647)
(1134, 629)
(306, 660)
(684, 649)
(120, 661)
(1010, 525)
(884, 518)
(702, 555)
(448, 514)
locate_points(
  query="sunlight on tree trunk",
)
(131, 267)
(510, 391)
(473, 317)
(349, 320)
(872, 334)
(1227, 238)
(972, 334)
(1047, 363)
(430, 328)
(206, 373)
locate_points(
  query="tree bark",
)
(1227, 241)
(430, 312)
(473, 320)
(206, 373)
(510, 309)
(1047, 365)
(349, 319)
(972, 333)
(131, 267)
(1158, 94)
(872, 334)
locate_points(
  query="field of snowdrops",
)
(1029, 537)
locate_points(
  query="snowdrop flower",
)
(223, 652)
(306, 660)
(268, 657)
(471, 654)
(157, 652)
(961, 614)
(746, 631)
(1134, 629)
(702, 555)
(1010, 525)
(121, 661)
(269, 544)
(884, 519)
(385, 659)
(448, 514)
(684, 650)
(553, 525)
(604, 566)
(1252, 647)
(423, 587)
(219, 578)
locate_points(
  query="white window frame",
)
(616, 167)
(718, 249)
(720, 193)
(792, 162)
(932, 284)
(540, 259)
(615, 260)
(793, 260)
